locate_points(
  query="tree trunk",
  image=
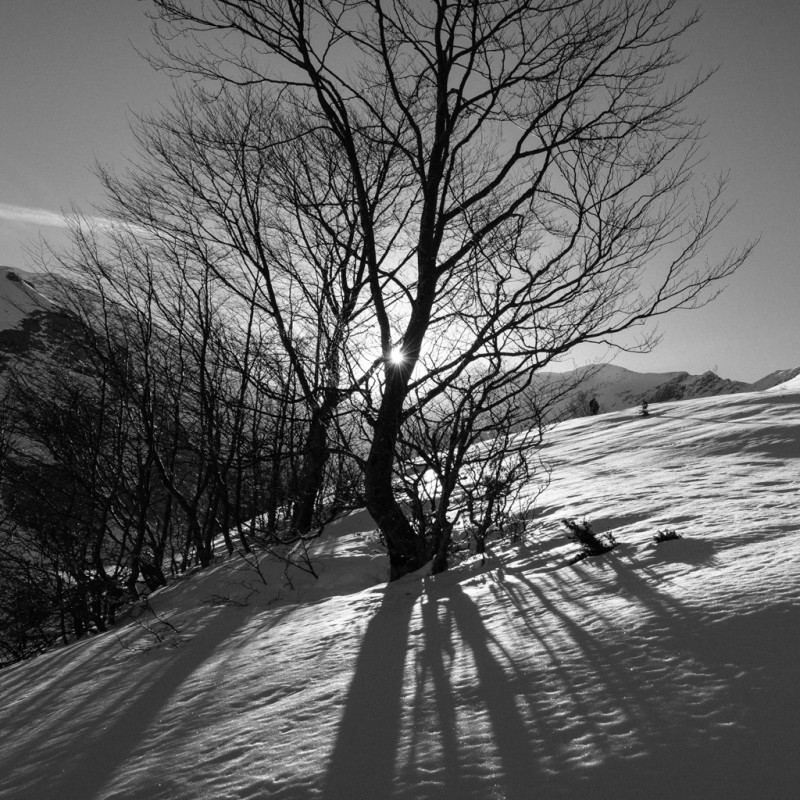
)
(406, 549)
(313, 470)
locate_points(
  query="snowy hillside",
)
(655, 671)
(18, 298)
(29, 319)
(616, 388)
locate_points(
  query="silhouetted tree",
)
(238, 187)
(521, 179)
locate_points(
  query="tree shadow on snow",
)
(494, 740)
(376, 726)
(497, 689)
(709, 692)
(107, 725)
(363, 760)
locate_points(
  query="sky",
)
(71, 78)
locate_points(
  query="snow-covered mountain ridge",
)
(656, 670)
(616, 388)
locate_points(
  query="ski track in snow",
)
(657, 671)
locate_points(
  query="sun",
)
(397, 356)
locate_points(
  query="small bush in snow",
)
(591, 544)
(666, 535)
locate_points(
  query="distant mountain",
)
(615, 388)
(774, 379)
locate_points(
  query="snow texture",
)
(655, 671)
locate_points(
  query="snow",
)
(656, 671)
(18, 298)
(792, 385)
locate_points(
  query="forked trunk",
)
(407, 552)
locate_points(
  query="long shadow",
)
(611, 685)
(747, 665)
(452, 625)
(535, 631)
(363, 761)
(434, 663)
(521, 773)
(683, 654)
(106, 734)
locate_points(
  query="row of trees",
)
(126, 457)
(356, 235)
(164, 422)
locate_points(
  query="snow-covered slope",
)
(654, 671)
(616, 388)
(791, 384)
(30, 320)
(774, 379)
(18, 298)
(21, 307)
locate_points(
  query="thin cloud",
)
(43, 217)
(32, 216)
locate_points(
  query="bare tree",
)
(466, 454)
(237, 186)
(544, 190)
(127, 458)
(196, 372)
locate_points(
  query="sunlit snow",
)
(654, 671)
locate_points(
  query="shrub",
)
(591, 544)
